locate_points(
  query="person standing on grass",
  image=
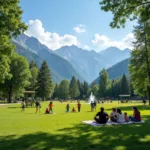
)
(79, 106)
(67, 108)
(136, 115)
(95, 105)
(38, 106)
(23, 106)
(101, 117)
(51, 107)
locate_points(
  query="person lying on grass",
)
(101, 117)
(113, 115)
(136, 115)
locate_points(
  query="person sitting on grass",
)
(126, 118)
(46, 111)
(51, 107)
(67, 108)
(113, 115)
(136, 115)
(101, 117)
(23, 106)
(73, 109)
(120, 116)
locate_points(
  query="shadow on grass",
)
(83, 137)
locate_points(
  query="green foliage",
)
(19, 69)
(104, 83)
(44, 82)
(140, 60)
(124, 85)
(126, 9)
(34, 74)
(95, 89)
(64, 89)
(74, 88)
(10, 25)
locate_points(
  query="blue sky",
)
(58, 23)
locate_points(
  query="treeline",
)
(28, 77)
(112, 88)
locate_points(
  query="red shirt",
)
(137, 115)
(50, 105)
(79, 105)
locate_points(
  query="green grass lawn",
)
(62, 131)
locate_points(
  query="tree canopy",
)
(126, 9)
(10, 25)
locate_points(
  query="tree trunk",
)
(9, 94)
(148, 91)
(148, 67)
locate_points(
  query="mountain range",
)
(117, 70)
(70, 61)
(32, 49)
(89, 63)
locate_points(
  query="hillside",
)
(60, 68)
(117, 70)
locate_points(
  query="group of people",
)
(50, 109)
(117, 116)
(37, 106)
(73, 109)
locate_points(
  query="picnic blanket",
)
(109, 123)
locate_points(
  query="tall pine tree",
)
(74, 88)
(124, 85)
(45, 88)
(104, 83)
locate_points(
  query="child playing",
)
(67, 108)
(126, 118)
(73, 109)
(51, 107)
(46, 111)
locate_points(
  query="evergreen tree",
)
(64, 89)
(104, 83)
(85, 89)
(94, 90)
(45, 88)
(74, 88)
(19, 68)
(34, 74)
(56, 91)
(124, 86)
(10, 25)
(140, 60)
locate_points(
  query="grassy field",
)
(62, 131)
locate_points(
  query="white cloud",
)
(79, 28)
(103, 41)
(51, 40)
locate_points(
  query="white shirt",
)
(120, 118)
